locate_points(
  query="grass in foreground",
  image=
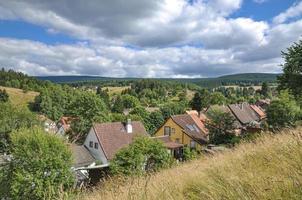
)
(18, 97)
(269, 168)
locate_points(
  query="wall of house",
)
(97, 153)
(178, 134)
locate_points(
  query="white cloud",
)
(260, 1)
(293, 11)
(171, 38)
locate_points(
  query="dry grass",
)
(19, 98)
(256, 87)
(269, 168)
(116, 90)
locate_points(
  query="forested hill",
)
(235, 79)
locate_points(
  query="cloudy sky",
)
(147, 38)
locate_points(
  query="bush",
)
(283, 112)
(144, 154)
(40, 167)
(13, 118)
(189, 154)
(221, 126)
(3, 96)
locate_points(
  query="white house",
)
(105, 139)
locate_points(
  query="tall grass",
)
(268, 168)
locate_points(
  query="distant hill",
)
(247, 78)
(251, 76)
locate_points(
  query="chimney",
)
(129, 126)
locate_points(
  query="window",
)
(173, 130)
(96, 145)
(177, 140)
(91, 144)
(193, 144)
(167, 130)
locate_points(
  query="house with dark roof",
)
(250, 116)
(104, 140)
(225, 109)
(185, 129)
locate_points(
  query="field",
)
(20, 98)
(236, 86)
(116, 90)
(267, 168)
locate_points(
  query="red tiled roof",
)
(113, 136)
(168, 142)
(259, 111)
(66, 121)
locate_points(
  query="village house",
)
(185, 129)
(175, 149)
(104, 140)
(247, 116)
(225, 109)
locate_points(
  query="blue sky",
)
(160, 38)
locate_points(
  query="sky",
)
(143, 38)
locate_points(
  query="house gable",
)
(97, 152)
(178, 135)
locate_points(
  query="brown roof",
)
(81, 156)
(224, 109)
(168, 142)
(191, 127)
(259, 111)
(244, 113)
(113, 136)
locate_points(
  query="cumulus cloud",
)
(142, 38)
(293, 11)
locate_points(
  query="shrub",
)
(144, 154)
(283, 112)
(40, 167)
(3, 96)
(189, 154)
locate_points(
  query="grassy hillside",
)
(269, 168)
(18, 97)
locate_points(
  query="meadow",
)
(269, 167)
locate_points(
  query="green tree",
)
(3, 96)
(87, 108)
(103, 94)
(40, 167)
(291, 78)
(221, 126)
(264, 89)
(156, 119)
(13, 118)
(196, 102)
(144, 154)
(217, 98)
(283, 111)
(172, 109)
(118, 106)
(130, 101)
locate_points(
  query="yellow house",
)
(186, 129)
